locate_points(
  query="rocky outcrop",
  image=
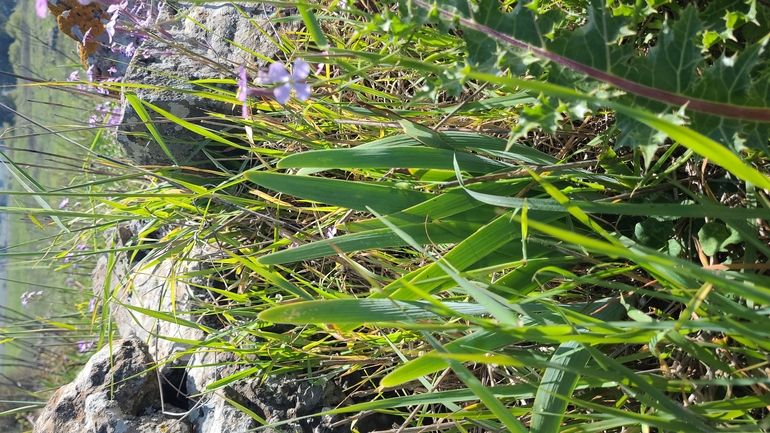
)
(276, 399)
(136, 286)
(205, 41)
(115, 392)
(157, 390)
(186, 378)
(118, 392)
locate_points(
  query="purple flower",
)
(92, 305)
(244, 91)
(104, 2)
(64, 203)
(41, 7)
(81, 247)
(331, 232)
(85, 37)
(26, 296)
(262, 78)
(127, 50)
(73, 76)
(278, 74)
(110, 27)
(320, 67)
(85, 346)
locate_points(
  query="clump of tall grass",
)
(442, 206)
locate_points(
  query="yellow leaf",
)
(35, 221)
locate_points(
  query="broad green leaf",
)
(351, 195)
(345, 311)
(550, 405)
(640, 209)
(715, 236)
(440, 232)
(390, 157)
(482, 342)
(309, 18)
(496, 306)
(499, 233)
(654, 233)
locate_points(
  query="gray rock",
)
(212, 413)
(160, 288)
(114, 393)
(274, 398)
(209, 41)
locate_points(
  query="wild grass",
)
(470, 240)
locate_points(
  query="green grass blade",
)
(312, 25)
(366, 311)
(549, 407)
(699, 143)
(138, 105)
(441, 232)
(385, 158)
(350, 195)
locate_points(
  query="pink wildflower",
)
(41, 7)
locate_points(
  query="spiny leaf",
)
(727, 101)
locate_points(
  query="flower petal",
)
(262, 78)
(110, 29)
(303, 91)
(41, 7)
(277, 73)
(281, 93)
(301, 70)
(243, 88)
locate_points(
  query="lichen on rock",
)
(75, 20)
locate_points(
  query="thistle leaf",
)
(726, 99)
